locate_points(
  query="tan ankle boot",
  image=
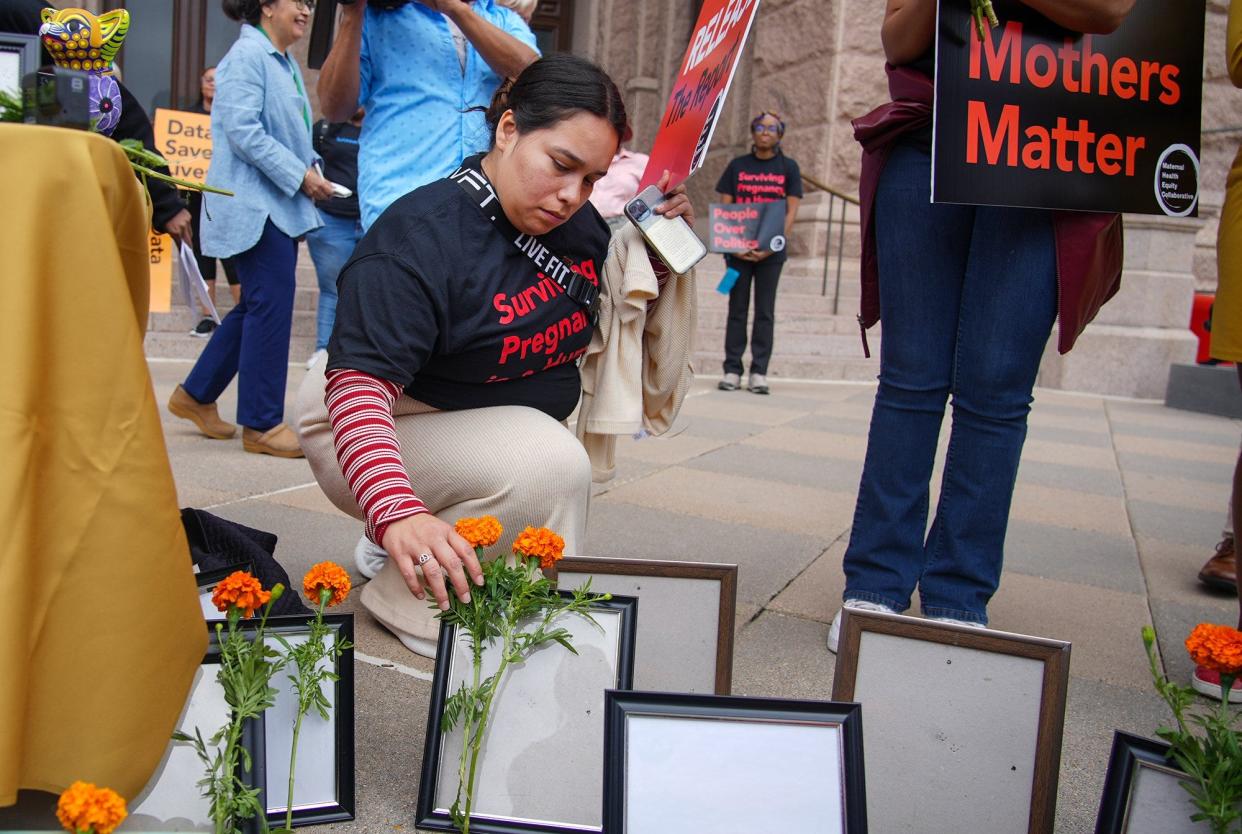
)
(279, 441)
(203, 415)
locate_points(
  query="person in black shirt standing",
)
(333, 242)
(764, 175)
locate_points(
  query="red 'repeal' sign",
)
(699, 91)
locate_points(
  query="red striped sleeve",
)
(360, 411)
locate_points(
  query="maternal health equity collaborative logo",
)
(1177, 181)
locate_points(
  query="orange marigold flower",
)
(480, 532)
(240, 590)
(327, 576)
(542, 543)
(1216, 647)
(84, 807)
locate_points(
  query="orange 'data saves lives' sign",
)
(699, 90)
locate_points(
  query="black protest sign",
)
(1038, 116)
(740, 227)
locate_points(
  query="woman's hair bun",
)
(555, 88)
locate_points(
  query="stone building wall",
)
(819, 63)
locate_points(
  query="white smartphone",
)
(672, 239)
(338, 190)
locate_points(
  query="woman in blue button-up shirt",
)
(261, 129)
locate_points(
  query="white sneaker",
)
(758, 384)
(420, 647)
(315, 357)
(369, 558)
(957, 622)
(834, 632)
(730, 382)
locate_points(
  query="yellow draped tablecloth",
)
(100, 629)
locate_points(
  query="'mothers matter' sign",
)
(1034, 115)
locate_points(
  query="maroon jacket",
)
(1089, 244)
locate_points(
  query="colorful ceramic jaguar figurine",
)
(79, 40)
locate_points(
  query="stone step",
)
(789, 319)
(837, 345)
(182, 320)
(787, 301)
(170, 345)
(792, 366)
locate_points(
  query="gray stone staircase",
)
(168, 333)
(811, 341)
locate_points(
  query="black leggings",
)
(766, 275)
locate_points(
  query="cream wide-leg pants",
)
(512, 462)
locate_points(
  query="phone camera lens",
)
(639, 210)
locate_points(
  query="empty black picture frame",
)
(1132, 756)
(428, 816)
(339, 805)
(21, 50)
(207, 581)
(762, 714)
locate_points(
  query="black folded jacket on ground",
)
(219, 543)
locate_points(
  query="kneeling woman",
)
(452, 367)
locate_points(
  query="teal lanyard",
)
(297, 82)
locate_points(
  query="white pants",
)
(512, 462)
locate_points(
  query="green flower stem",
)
(476, 741)
(983, 13)
(186, 184)
(303, 706)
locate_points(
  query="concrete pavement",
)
(1118, 504)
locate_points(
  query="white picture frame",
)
(964, 725)
(172, 800)
(685, 635)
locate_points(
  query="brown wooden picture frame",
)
(652, 569)
(917, 701)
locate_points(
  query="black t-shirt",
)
(337, 143)
(749, 179)
(436, 299)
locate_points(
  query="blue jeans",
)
(967, 297)
(330, 247)
(252, 343)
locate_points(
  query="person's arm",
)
(793, 194)
(168, 213)
(339, 77)
(1093, 17)
(791, 213)
(907, 30)
(504, 53)
(909, 25)
(239, 105)
(365, 438)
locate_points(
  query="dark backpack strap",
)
(573, 284)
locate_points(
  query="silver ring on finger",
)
(424, 558)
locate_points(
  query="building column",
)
(1144, 329)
